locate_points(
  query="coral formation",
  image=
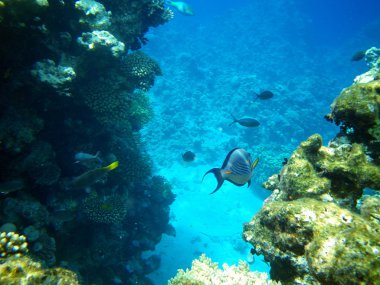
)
(107, 209)
(372, 58)
(141, 69)
(57, 76)
(103, 41)
(95, 14)
(310, 229)
(356, 110)
(308, 241)
(77, 49)
(23, 270)
(11, 244)
(205, 272)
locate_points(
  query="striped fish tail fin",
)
(218, 175)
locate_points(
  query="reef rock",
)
(308, 241)
(310, 229)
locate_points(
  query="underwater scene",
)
(189, 142)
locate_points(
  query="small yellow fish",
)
(91, 176)
(182, 7)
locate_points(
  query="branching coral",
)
(205, 272)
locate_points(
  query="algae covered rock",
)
(23, 270)
(313, 242)
(310, 229)
(206, 272)
(338, 172)
(357, 107)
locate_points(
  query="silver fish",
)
(237, 168)
(87, 157)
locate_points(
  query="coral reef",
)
(79, 49)
(205, 272)
(310, 229)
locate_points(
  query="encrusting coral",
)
(23, 270)
(16, 267)
(107, 210)
(205, 272)
(310, 229)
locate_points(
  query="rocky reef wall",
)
(73, 95)
(321, 224)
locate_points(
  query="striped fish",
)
(237, 168)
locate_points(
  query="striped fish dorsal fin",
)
(254, 164)
(228, 158)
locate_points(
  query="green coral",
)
(205, 272)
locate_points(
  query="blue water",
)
(213, 63)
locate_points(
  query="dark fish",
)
(188, 156)
(265, 95)
(11, 186)
(91, 176)
(237, 168)
(358, 56)
(245, 122)
(285, 161)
